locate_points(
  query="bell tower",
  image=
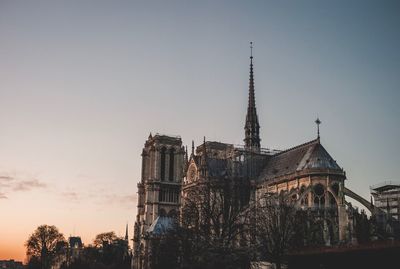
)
(160, 185)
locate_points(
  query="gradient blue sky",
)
(82, 83)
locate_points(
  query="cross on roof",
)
(318, 122)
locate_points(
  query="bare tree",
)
(44, 245)
(275, 227)
(215, 218)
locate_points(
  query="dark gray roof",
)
(161, 225)
(215, 145)
(310, 155)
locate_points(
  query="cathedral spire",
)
(252, 127)
(126, 233)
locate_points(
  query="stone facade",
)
(158, 190)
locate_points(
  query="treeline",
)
(47, 248)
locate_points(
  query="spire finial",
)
(192, 147)
(318, 122)
(251, 50)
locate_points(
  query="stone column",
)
(342, 214)
(156, 164)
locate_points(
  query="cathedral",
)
(305, 173)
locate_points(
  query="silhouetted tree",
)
(104, 239)
(109, 255)
(275, 227)
(212, 232)
(34, 263)
(44, 245)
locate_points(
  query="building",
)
(387, 206)
(70, 251)
(11, 264)
(158, 191)
(75, 247)
(307, 173)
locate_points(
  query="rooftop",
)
(310, 155)
(385, 186)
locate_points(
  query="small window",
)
(171, 165)
(162, 170)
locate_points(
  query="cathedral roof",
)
(310, 155)
(161, 225)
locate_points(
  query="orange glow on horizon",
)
(12, 252)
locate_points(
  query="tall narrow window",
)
(162, 170)
(171, 165)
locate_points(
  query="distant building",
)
(387, 202)
(387, 198)
(11, 264)
(75, 247)
(70, 251)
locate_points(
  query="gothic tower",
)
(159, 188)
(252, 127)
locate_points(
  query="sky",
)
(83, 83)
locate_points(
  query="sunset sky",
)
(83, 83)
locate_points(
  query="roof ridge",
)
(298, 146)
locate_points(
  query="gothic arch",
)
(359, 199)
(305, 192)
(329, 190)
(319, 195)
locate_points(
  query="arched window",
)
(171, 165)
(319, 195)
(162, 170)
(303, 201)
